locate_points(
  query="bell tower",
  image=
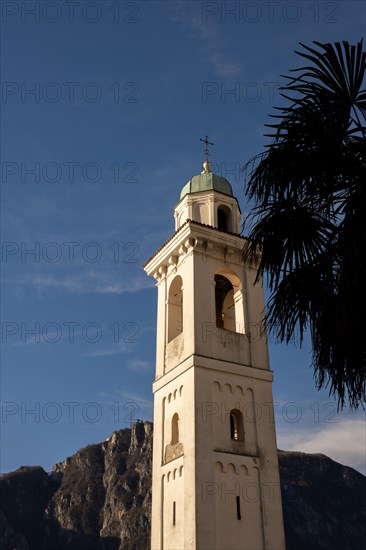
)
(215, 469)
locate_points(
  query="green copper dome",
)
(207, 182)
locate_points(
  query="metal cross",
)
(207, 143)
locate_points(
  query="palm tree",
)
(308, 223)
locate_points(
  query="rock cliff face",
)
(104, 495)
(100, 499)
(24, 495)
(324, 503)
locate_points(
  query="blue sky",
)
(103, 105)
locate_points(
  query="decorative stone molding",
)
(173, 451)
(190, 243)
(174, 394)
(238, 468)
(232, 389)
(163, 270)
(172, 474)
(173, 260)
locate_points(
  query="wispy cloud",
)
(130, 399)
(344, 441)
(139, 365)
(212, 48)
(120, 348)
(222, 67)
(91, 282)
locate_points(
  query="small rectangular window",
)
(174, 513)
(238, 514)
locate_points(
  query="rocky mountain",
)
(100, 499)
(324, 503)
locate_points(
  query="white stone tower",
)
(215, 468)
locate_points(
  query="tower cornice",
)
(188, 237)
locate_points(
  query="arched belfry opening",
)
(236, 425)
(175, 429)
(224, 218)
(225, 306)
(175, 308)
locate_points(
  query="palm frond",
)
(308, 215)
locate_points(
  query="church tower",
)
(215, 469)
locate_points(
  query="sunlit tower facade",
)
(215, 468)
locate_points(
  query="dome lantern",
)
(208, 198)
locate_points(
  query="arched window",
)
(201, 212)
(225, 306)
(236, 425)
(224, 218)
(175, 308)
(175, 429)
(221, 220)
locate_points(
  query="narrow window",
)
(225, 306)
(224, 218)
(232, 426)
(238, 514)
(221, 220)
(175, 429)
(175, 308)
(174, 512)
(236, 425)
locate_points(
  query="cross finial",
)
(207, 143)
(206, 164)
